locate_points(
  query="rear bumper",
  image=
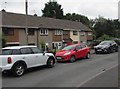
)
(7, 67)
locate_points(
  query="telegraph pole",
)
(26, 21)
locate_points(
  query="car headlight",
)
(67, 53)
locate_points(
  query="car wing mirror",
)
(44, 53)
(110, 44)
(75, 49)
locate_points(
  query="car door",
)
(85, 50)
(40, 58)
(79, 52)
(27, 56)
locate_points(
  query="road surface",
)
(75, 74)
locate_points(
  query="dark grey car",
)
(106, 47)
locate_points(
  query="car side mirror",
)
(75, 49)
(44, 53)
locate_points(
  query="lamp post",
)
(26, 21)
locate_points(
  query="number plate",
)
(99, 50)
(59, 58)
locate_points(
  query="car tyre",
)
(88, 56)
(50, 62)
(18, 70)
(109, 50)
(72, 59)
(116, 50)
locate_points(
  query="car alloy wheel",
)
(88, 56)
(72, 59)
(18, 70)
(50, 62)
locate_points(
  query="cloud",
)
(90, 8)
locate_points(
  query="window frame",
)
(43, 32)
(58, 32)
(82, 33)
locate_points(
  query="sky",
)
(89, 8)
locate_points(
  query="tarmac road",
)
(75, 74)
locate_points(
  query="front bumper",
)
(63, 58)
(101, 50)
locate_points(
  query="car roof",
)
(17, 47)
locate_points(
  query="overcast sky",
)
(89, 8)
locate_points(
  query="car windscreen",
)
(6, 52)
(69, 47)
(104, 43)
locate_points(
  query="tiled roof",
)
(18, 20)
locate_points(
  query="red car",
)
(73, 52)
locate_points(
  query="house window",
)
(65, 32)
(8, 31)
(89, 34)
(44, 32)
(31, 32)
(75, 33)
(58, 32)
(82, 33)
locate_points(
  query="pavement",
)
(107, 78)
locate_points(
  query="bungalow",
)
(42, 30)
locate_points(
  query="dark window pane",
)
(26, 51)
(6, 52)
(31, 32)
(78, 47)
(36, 50)
(75, 33)
(8, 31)
(16, 51)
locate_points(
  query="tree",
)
(77, 17)
(2, 40)
(104, 26)
(53, 9)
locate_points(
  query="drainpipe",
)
(62, 38)
(26, 21)
(37, 38)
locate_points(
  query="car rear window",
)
(10, 52)
(6, 52)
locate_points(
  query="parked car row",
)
(18, 59)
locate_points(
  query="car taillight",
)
(9, 60)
